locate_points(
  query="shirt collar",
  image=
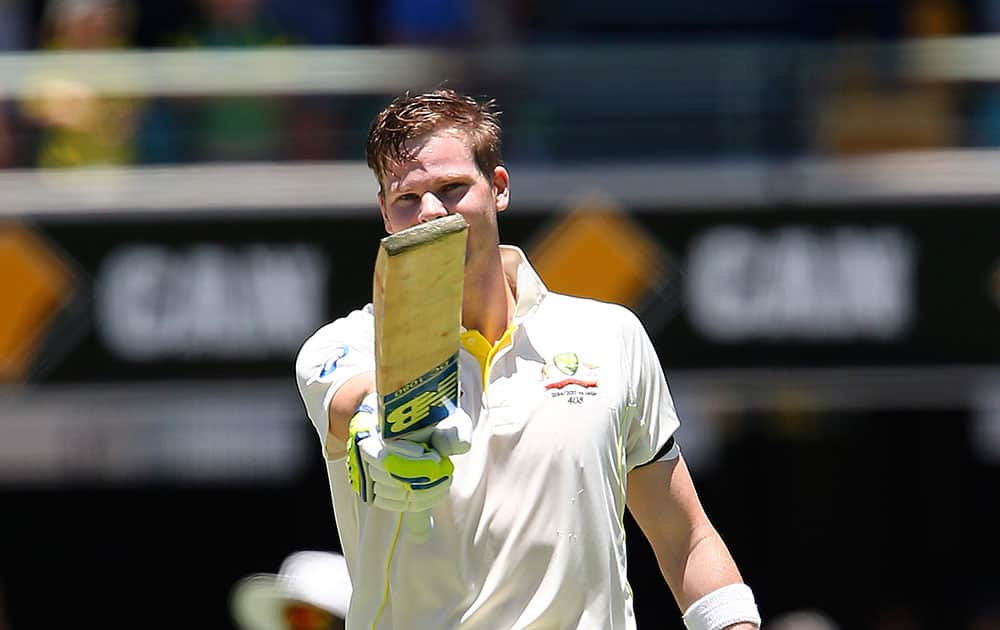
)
(528, 288)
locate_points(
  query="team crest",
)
(567, 362)
(566, 371)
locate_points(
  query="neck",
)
(488, 300)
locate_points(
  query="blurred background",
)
(798, 197)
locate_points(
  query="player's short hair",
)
(409, 117)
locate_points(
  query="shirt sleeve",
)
(332, 356)
(650, 417)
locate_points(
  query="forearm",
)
(345, 403)
(704, 569)
(704, 566)
(697, 577)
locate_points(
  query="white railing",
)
(349, 188)
(387, 70)
(202, 72)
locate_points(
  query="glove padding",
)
(401, 475)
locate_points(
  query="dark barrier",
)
(847, 287)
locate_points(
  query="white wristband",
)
(369, 403)
(722, 608)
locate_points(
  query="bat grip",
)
(418, 526)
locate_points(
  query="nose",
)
(431, 207)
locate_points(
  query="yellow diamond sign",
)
(599, 252)
(34, 286)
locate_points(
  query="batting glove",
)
(453, 435)
(398, 475)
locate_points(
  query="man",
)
(310, 592)
(568, 419)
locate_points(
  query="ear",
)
(385, 213)
(501, 188)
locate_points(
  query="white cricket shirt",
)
(532, 534)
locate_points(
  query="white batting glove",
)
(399, 475)
(453, 435)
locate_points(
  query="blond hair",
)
(409, 117)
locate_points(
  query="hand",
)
(401, 476)
(453, 435)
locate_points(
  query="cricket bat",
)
(417, 296)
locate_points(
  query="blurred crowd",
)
(65, 123)
(859, 105)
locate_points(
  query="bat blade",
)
(417, 297)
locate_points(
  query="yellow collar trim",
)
(483, 350)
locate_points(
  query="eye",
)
(451, 188)
(406, 198)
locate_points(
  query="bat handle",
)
(418, 526)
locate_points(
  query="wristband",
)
(369, 404)
(722, 608)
